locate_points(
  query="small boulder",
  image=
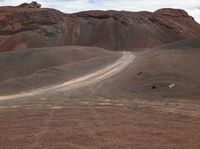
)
(139, 73)
(172, 85)
(153, 87)
(33, 4)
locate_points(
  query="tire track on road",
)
(95, 77)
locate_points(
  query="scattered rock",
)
(139, 73)
(172, 85)
(153, 87)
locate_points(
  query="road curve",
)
(95, 77)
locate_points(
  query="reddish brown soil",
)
(38, 27)
(189, 43)
(122, 111)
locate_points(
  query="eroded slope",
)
(23, 27)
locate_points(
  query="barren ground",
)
(117, 108)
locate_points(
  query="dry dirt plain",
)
(121, 100)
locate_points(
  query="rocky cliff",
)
(24, 27)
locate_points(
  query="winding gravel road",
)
(95, 77)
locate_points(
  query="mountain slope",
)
(23, 27)
(185, 43)
(35, 68)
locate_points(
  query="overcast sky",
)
(68, 6)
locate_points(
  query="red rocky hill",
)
(28, 26)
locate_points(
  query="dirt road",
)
(95, 77)
(114, 107)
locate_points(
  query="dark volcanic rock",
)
(22, 27)
(33, 4)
